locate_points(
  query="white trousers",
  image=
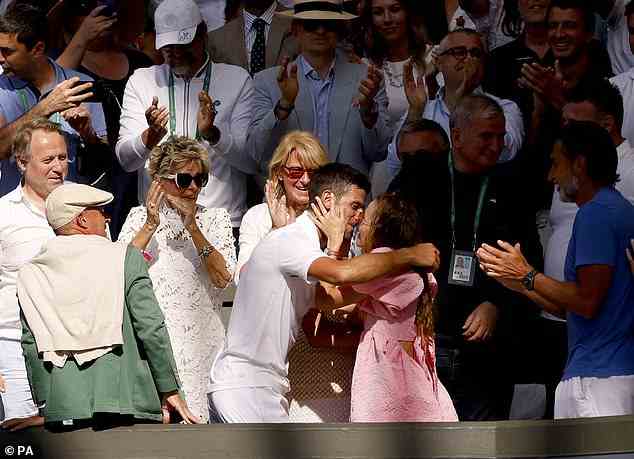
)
(17, 401)
(591, 397)
(248, 404)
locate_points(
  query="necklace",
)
(393, 78)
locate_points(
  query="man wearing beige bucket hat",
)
(89, 315)
(344, 104)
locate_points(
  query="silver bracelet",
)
(206, 251)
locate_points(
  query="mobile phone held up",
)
(85, 7)
(111, 7)
(98, 89)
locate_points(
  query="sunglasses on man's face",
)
(311, 25)
(183, 180)
(295, 173)
(461, 52)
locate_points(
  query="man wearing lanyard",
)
(191, 96)
(463, 200)
(33, 86)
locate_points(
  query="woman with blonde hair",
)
(191, 257)
(294, 160)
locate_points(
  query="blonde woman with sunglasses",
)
(191, 256)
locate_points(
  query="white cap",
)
(175, 22)
(69, 200)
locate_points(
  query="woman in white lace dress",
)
(191, 256)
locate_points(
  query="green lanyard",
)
(55, 117)
(173, 103)
(476, 223)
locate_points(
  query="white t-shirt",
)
(274, 294)
(625, 83)
(618, 45)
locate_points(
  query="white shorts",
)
(248, 404)
(17, 401)
(591, 397)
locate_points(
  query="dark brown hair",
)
(396, 225)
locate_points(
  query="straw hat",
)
(318, 9)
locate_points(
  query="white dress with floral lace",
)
(189, 301)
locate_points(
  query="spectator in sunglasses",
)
(343, 104)
(461, 61)
(191, 256)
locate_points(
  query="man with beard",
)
(597, 296)
(194, 97)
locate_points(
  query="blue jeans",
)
(475, 377)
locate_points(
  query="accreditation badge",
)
(462, 268)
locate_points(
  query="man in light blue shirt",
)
(344, 104)
(33, 85)
(461, 62)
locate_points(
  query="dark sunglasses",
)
(311, 25)
(295, 173)
(460, 52)
(183, 179)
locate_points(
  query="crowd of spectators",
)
(419, 205)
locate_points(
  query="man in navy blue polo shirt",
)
(32, 85)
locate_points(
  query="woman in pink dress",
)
(394, 376)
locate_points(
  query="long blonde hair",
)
(311, 154)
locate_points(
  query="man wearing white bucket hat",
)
(194, 97)
(344, 104)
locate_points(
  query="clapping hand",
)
(3, 386)
(281, 215)
(80, 120)
(186, 209)
(331, 222)
(206, 116)
(287, 82)
(67, 94)
(470, 77)
(157, 118)
(630, 257)
(368, 89)
(546, 83)
(155, 197)
(415, 91)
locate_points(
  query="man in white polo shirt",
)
(42, 158)
(277, 287)
(194, 97)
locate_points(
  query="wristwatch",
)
(528, 281)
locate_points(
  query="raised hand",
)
(67, 94)
(3, 386)
(546, 83)
(470, 77)
(206, 116)
(415, 91)
(186, 209)
(369, 87)
(94, 26)
(155, 197)
(280, 214)
(287, 82)
(331, 222)
(173, 402)
(80, 120)
(157, 118)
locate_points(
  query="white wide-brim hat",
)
(318, 9)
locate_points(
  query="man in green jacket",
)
(94, 338)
